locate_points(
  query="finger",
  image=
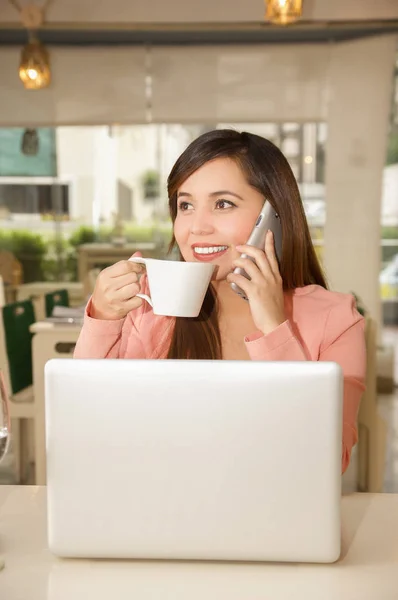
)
(123, 267)
(127, 266)
(245, 284)
(128, 292)
(250, 267)
(271, 253)
(259, 257)
(132, 304)
(136, 255)
(124, 280)
(250, 251)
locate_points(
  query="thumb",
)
(138, 253)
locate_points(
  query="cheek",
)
(178, 230)
(239, 232)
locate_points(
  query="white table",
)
(368, 569)
(49, 341)
(37, 290)
(40, 288)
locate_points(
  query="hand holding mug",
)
(116, 289)
(176, 288)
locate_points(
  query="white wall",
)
(87, 158)
(75, 147)
(136, 152)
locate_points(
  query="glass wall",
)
(63, 187)
(389, 219)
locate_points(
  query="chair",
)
(16, 364)
(10, 268)
(56, 298)
(372, 430)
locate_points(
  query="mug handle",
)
(141, 261)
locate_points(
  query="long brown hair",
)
(267, 170)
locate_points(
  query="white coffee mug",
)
(177, 288)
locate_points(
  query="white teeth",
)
(209, 250)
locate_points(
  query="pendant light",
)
(283, 12)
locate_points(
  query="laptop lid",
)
(169, 459)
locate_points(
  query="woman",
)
(216, 191)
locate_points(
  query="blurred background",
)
(98, 99)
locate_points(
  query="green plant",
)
(66, 270)
(49, 258)
(151, 183)
(82, 235)
(55, 262)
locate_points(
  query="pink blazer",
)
(320, 325)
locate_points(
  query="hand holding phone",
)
(267, 219)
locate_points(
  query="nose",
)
(202, 223)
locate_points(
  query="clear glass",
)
(5, 428)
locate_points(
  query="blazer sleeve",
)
(343, 342)
(108, 339)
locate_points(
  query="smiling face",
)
(216, 211)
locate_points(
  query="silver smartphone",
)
(267, 219)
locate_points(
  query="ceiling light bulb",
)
(283, 12)
(34, 68)
(32, 73)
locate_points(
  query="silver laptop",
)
(213, 460)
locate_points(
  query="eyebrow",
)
(218, 193)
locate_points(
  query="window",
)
(389, 218)
(112, 179)
(33, 199)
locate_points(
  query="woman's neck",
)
(228, 300)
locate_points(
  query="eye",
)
(183, 206)
(223, 204)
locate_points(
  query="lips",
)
(207, 252)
